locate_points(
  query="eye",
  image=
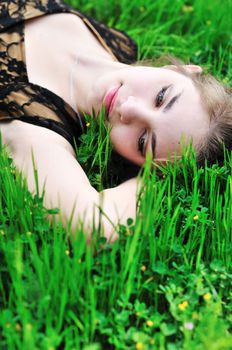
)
(141, 142)
(159, 98)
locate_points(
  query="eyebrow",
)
(171, 103)
(153, 144)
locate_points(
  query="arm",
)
(66, 185)
(119, 203)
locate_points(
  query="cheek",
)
(167, 146)
(169, 138)
(124, 140)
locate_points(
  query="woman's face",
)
(153, 110)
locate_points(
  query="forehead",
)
(148, 79)
(159, 73)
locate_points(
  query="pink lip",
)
(110, 99)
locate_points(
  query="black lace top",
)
(20, 99)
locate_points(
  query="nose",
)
(134, 110)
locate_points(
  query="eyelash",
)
(141, 140)
(140, 144)
(160, 95)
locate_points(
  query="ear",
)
(192, 68)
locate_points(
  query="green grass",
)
(166, 283)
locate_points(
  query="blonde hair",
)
(217, 100)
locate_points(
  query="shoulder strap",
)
(13, 12)
(121, 45)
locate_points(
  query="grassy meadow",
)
(167, 282)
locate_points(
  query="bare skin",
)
(143, 100)
(56, 34)
(55, 158)
(134, 111)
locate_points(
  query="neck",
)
(85, 72)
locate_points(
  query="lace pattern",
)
(20, 99)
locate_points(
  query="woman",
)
(57, 63)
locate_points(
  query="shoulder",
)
(17, 134)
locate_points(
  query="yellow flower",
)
(67, 252)
(29, 233)
(88, 125)
(2, 232)
(143, 268)
(18, 327)
(139, 346)
(195, 316)
(207, 296)
(182, 306)
(196, 217)
(29, 326)
(149, 323)
(187, 9)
